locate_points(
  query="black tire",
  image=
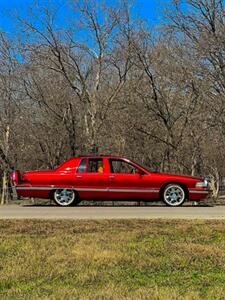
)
(65, 197)
(173, 195)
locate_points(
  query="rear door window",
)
(95, 165)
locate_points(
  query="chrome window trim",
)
(89, 189)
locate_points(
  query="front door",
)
(127, 181)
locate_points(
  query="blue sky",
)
(150, 10)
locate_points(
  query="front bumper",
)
(198, 193)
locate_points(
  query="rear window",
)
(82, 166)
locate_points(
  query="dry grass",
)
(132, 259)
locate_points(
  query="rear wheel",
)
(64, 197)
(173, 195)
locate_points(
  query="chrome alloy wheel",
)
(174, 195)
(64, 197)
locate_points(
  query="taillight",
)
(15, 176)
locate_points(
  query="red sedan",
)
(107, 178)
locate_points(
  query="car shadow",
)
(142, 204)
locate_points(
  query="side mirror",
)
(139, 171)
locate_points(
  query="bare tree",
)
(88, 67)
(8, 66)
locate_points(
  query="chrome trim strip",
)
(91, 190)
(39, 188)
(198, 192)
(133, 190)
(34, 188)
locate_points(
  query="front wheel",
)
(64, 197)
(173, 195)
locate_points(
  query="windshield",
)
(143, 166)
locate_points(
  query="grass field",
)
(129, 259)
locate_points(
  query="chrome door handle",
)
(111, 177)
(78, 176)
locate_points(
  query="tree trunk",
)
(215, 183)
(4, 196)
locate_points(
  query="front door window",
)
(121, 167)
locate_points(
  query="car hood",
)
(174, 176)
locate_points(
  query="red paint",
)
(140, 185)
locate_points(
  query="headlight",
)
(202, 184)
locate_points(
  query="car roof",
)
(101, 156)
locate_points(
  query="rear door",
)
(127, 181)
(91, 180)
